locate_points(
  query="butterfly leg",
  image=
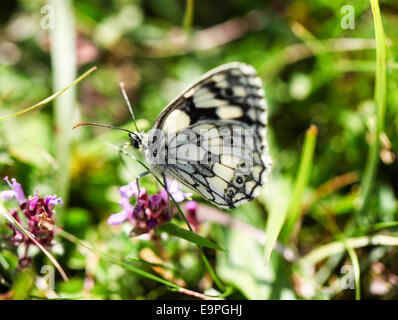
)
(167, 191)
(121, 152)
(137, 181)
(141, 175)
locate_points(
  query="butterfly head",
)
(135, 140)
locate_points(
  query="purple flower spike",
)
(130, 190)
(7, 194)
(174, 188)
(148, 212)
(192, 217)
(32, 203)
(122, 216)
(53, 200)
(155, 202)
(152, 224)
(127, 207)
(117, 218)
(191, 205)
(16, 187)
(38, 216)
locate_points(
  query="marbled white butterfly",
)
(212, 137)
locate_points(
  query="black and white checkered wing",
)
(214, 136)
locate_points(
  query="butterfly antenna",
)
(100, 125)
(126, 98)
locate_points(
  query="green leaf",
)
(302, 178)
(278, 193)
(190, 236)
(281, 207)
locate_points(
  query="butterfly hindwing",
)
(220, 160)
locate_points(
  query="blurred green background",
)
(315, 70)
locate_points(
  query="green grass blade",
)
(50, 98)
(277, 214)
(383, 225)
(64, 65)
(357, 271)
(151, 264)
(301, 181)
(190, 236)
(188, 17)
(282, 208)
(335, 247)
(380, 103)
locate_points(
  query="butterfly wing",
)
(216, 136)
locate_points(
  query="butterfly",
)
(212, 137)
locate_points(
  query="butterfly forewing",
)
(212, 138)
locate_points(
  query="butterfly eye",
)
(135, 140)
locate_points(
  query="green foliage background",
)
(315, 73)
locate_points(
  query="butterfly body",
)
(212, 138)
